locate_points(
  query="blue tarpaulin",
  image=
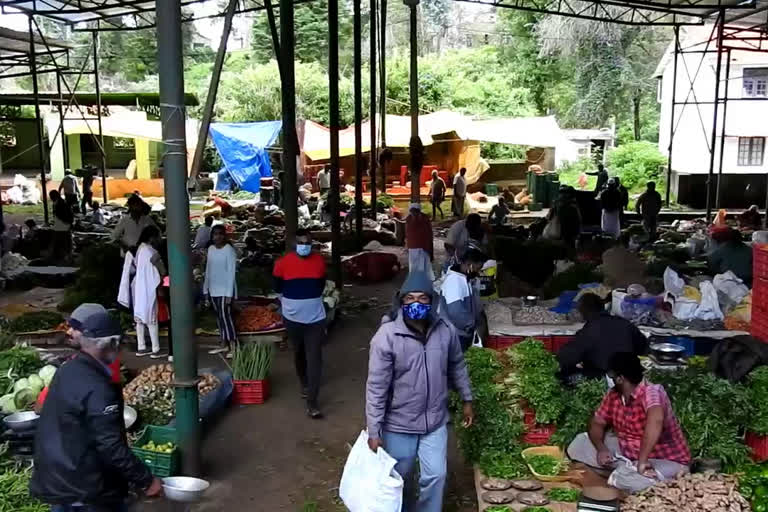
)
(242, 149)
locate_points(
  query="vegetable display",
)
(536, 509)
(545, 465)
(581, 402)
(692, 493)
(252, 361)
(564, 494)
(498, 508)
(534, 376)
(258, 318)
(15, 363)
(151, 393)
(14, 492)
(160, 448)
(753, 485)
(757, 383)
(36, 321)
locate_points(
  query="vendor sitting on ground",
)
(603, 335)
(498, 214)
(644, 430)
(731, 254)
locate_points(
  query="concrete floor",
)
(271, 457)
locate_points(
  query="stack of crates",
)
(759, 327)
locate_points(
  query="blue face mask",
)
(417, 310)
(303, 250)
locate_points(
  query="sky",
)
(14, 21)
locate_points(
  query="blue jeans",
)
(431, 451)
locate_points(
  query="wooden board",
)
(553, 506)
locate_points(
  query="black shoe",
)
(314, 413)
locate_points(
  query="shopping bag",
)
(369, 482)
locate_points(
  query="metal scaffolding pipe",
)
(383, 87)
(98, 116)
(172, 117)
(722, 128)
(672, 115)
(372, 68)
(358, 100)
(333, 115)
(64, 148)
(38, 120)
(290, 138)
(414, 96)
(718, 67)
(213, 89)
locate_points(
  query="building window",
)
(755, 82)
(751, 150)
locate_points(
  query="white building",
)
(744, 165)
(593, 143)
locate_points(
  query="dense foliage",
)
(637, 163)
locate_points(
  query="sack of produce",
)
(369, 482)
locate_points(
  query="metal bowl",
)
(530, 301)
(21, 420)
(185, 489)
(667, 352)
(129, 416)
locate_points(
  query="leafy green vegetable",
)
(252, 361)
(35, 321)
(546, 465)
(581, 402)
(498, 508)
(564, 494)
(536, 509)
(509, 465)
(758, 394)
(536, 377)
(14, 492)
(15, 363)
(712, 412)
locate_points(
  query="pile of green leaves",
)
(498, 423)
(509, 465)
(535, 375)
(35, 321)
(581, 402)
(564, 494)
(14, 492)
(757, 384)
(15, 363)
(753, 485)
(712, 412)
(546, 465)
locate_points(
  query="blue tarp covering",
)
(242, 149)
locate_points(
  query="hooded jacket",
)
(408, 376)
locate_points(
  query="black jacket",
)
(596, 342)
(81, 451)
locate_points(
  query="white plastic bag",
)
(369, 482)
(626, 477)
(673, 283)
(731, 286)
(709, 307)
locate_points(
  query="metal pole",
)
(718, 66)
(172, 116)
(98, 114)
(274, 34)
(38, 120)
(383, 99)
(213, 89)
(414, 90)
(64, 148)
(333, 114)
(722, 129)
(358, 99)
(372, 80)
(672, 115)
(290, 139)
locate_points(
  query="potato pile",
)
(698, 492)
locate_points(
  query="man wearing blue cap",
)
(412, 359)
(82, 459)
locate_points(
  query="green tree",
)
(311, 33)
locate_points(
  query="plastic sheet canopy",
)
(242, 147)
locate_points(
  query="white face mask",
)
(303, 250)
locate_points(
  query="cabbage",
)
(20, 384)
(35, 383)
(7, 405)
(46, 373)
(24, 398)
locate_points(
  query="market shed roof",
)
(126, 99)
(15, 48)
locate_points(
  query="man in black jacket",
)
(82, 459)
(603, 335)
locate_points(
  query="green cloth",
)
(733, 256)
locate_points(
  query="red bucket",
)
(759, 446)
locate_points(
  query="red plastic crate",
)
(540, 435)
(250, 392)
(503, 342)
(759, 323)
(760, 293)
(759, 446)
(559, 342)
(490, 342)
(529, 416)
(760, 261)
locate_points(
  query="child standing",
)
(220, 286)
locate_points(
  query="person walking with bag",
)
(300, 281)
(220, 286)
(412, 359)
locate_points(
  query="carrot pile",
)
(258, 318)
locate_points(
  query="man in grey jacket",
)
(460, 303)
(413, 357)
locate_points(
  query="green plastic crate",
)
(161, 464)
(491, 189)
